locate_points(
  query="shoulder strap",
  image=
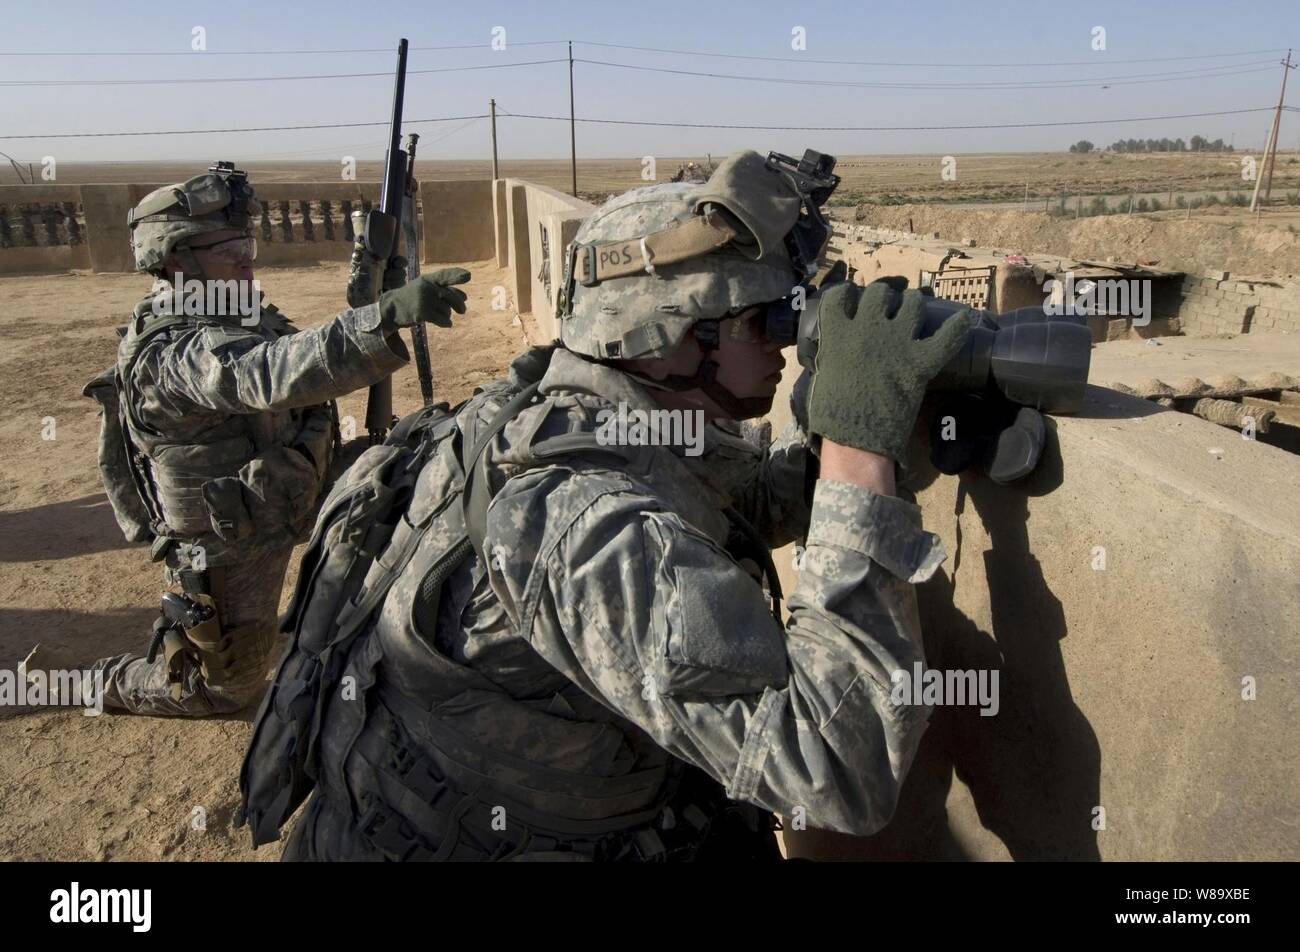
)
(150, 327)
(477, 494)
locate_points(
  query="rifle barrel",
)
(390, 199)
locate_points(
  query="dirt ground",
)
(121, 787)
(1175, 244)
(988, 177)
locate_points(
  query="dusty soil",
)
(1172, 243)
(122, 787)
(866, 178)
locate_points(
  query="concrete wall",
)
(458, 220)
(557, 216)
(501, 221)
(522, 213)
(1120, 687)
(302, 223)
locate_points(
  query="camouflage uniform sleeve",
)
(653, 619)
(231, 371)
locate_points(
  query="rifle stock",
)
(411, 242)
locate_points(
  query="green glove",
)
(872, 370)
(395, 274)
(429, 297)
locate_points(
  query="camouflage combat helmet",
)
(653, 262)
(165, 218)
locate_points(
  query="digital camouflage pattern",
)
(647, 315)
(609, 679)
(168, 216)
(237, 431)
(623, 584)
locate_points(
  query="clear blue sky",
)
(925, 34)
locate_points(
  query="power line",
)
(1004, 125)
(714, 54)
(928, 65)
(380, 49)
(425, 143)
(195, 132)
(259, 79)
(649, 122)
(1017, 84)
(1118, 80)
(377, 144)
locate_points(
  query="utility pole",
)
(1265, 176)
(492, 108)
(573, 140)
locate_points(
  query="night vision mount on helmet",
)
(657, 263)
(219, 200)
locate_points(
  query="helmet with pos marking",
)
(166, 218)
(652, 263)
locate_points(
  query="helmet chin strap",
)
(705, 379)
(189, 262)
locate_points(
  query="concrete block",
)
(501, 221)
(458, 220)
(521, 284)
(107, 235)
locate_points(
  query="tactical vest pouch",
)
(211, 644)
(230, 518)
(115, 460)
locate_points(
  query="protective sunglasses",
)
(748, 326)
(233, 250)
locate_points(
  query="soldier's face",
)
(225, 255)
(749, 365)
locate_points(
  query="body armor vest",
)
(208, 481)
(426, 757)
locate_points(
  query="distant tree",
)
(1083, 145)
(1197, 144)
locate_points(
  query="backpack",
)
(352, 560)
(125, 481)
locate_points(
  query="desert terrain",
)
(891, 179)
(118, 787)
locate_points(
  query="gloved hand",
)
(872, 370)
(430, 297)
(395, 274)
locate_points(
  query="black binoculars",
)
(1031, 358)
